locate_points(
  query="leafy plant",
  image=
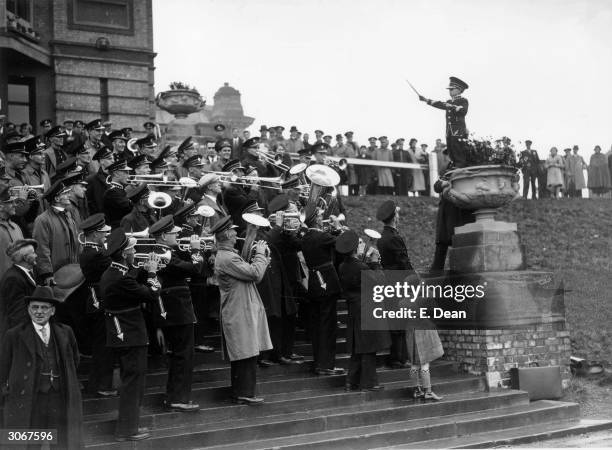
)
(482, 152)
(180, 85)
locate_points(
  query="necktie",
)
(43, 332)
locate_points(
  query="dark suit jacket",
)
(116, 205)
(14, 287)
(20, 363)
(96, 187)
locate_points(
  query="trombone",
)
(276, 160)
(137, 179)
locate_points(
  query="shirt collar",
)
(38, 327)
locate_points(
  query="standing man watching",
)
(9, 230)
(38, 362)
(456, 109)
(529, 163)
(243, 316)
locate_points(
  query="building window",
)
(20, 100)
(111, 16)
(21, 8)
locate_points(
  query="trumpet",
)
(140, 259)
(207, 243)
(15, 190)
(249, 181)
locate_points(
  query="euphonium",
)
(323, 181)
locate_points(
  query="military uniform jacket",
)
(122, 295)
(318, 251)
(393, 251)
(96, 187)
(136, 221)
(455, 119)
(174, 300)
(116, 205)
(53, 158)
(358, 340)
(93, 264)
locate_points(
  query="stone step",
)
(398, 430)
(219, 370)
(241, 431)
(279, 404)
(213, 391)
(513, 436)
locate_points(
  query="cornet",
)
(207, 243)
(15, 190)
(140, 259)
(288, 221)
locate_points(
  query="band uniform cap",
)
(232, 165)
(338, 136)
(159, 163)
(45, 122)
(146, 142)
(457, 83)
(528, 142)
(103, 153)
(56, 189)
(310, 214)
(181, 215)
(68, 121)
(93, 223)
(291, 183)
(185, 145)
(56, 131)
(252, 142)
(321, 147)
(304, 152)
(372, 139)
(117, 241)
(5, 194)
(251, 207)
(221, 144)
(127, 130)
(12, 135)
(207, 179)
(278, 203)
(386, 211)
(137, 161)
(327, 136)
(138, 192)
(263, 128)
(319, 132)
(70, 165)
(79, 123)
(148, 125)
(219, 127)
(279, 128)
(42, 294)
(67, 278)
(193, 161)
(164, 225)
(167, 152)
(95, 125)
(347, 242)
(382, 138)
(75, 178)
(118, 165)
(222, 225)
(107, 123)
(117, 134)
(19, 244)
(16, 147)
(349, 134)
(293, 129)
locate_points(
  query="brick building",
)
(79, 59)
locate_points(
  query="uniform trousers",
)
(179, 339)
(244, 377)
(362, 370)
(456, 150)
(323, 324)
(398, 352)
(102, 358)
(133, 363)
(200, 308)
(282, 334)
(49, 413)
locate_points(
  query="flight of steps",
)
(302, 410)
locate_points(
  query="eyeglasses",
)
(43, 308)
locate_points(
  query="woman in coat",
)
(363, 344)
(554, 172)
(599, 177)
(243, 317)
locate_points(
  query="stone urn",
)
(483, 189)
(180, 102)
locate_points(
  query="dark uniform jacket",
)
(136, 221)
(116, 205)
(393, 251)
(455, 120)
(319, 254)
(122, 295)
(15, 285)
(93, 264)
(20, 366)
(175, 296)
(358, 340)
(96, 187)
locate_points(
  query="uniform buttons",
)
(28, 364)
(23, 392)
(25, 377)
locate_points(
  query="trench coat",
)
(243, 317)
(358, 340)
(385, 176)
(9, 233)
(15, 285)
(19, 374)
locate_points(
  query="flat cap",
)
(19, 244)
(208, 179)
(223, 224)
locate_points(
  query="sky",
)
(537, 70)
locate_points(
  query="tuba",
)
(159, 200)
(323, 180)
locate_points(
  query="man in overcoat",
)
(38, 362)
(243, 317)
